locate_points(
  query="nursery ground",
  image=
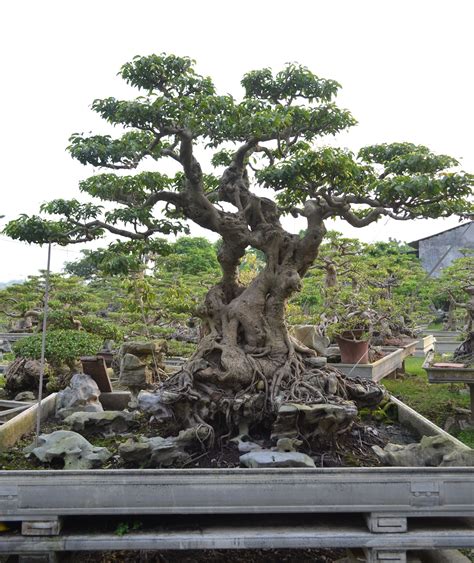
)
(437, 402)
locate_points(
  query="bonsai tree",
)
(338, 258)
(376, 288)
(456, 285)
(452, 290)
(158, 285)
(246, 365)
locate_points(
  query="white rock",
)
(75, 451)
(82, 394)
(269, 458)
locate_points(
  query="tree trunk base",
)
(465, 351)
(227, 391)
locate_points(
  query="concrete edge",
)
(394, 352)
(15, 428)
(421, 425)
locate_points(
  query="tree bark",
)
(247, 366)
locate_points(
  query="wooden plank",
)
(96, 368)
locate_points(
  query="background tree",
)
(246, 366)
(451, 291)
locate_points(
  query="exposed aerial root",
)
(223, 389)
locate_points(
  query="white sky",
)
(405, 67)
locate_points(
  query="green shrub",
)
(178, 348)
(105, 329)
(62, 346)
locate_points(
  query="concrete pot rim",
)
(407, 416)
(392, 354)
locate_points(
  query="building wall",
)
(432, 249)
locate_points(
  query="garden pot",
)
(353, 351)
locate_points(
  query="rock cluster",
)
(103, 424)
(314, 421)
(161, 452)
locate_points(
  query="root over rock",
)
(226, 391)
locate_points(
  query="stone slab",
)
(235, 534)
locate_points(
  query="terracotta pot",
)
(353, 351)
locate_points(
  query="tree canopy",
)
(266, 138)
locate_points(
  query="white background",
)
(405, 67)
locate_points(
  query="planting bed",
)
(350, 449)
(446, 341)
(451, 374)
(379, 509)
(375, 371)
(424, 345)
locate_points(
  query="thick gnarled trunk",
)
(247, 367)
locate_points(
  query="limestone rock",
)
(269, 458)
(140, 364)
(107, 423)
(161, 452)
(156, 403)
(23, 375)
(153, 452)
(245, 444)
(72, 448)
(82, 394)
(136, 451)
(134, 373)
(25, 396)
(313, 420)
(310, 337)
(288, 444)
(432, 451)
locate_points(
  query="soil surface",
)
(350, 449)
(246, 555)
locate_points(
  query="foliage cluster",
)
(156, 297)
(62, 346)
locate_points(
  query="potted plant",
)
(355, 316)
(352, 332)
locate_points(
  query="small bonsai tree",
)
(456, 285)
(246, 365)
